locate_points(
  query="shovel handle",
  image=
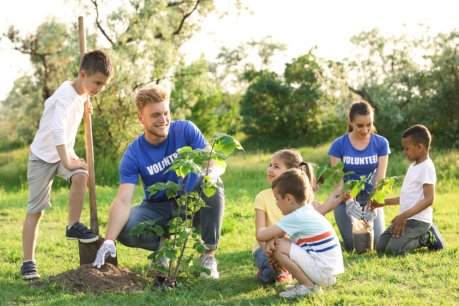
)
(88, 140)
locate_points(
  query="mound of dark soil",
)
(108, 278)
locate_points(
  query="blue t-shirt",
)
(150, 161)
(362, 162)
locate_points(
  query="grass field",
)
(422, 277)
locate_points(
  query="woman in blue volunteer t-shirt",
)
(365, 153)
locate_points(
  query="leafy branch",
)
(336, 174)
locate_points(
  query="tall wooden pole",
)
(88, 140)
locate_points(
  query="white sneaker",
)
(299, 290)
(209, 262)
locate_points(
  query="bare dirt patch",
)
(108, 278)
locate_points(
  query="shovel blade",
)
(88, 253)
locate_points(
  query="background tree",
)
(288, 109)
(410, 81)
(52, 54)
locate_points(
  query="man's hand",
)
(398, 226)
(211, 173)
(108, 248)
(353, 209)
(74, 163)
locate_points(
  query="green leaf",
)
(229, 148)
(184, 150)
(339, 166)
(159, 230)
(320, 172)
(217, 137)
(201, 249)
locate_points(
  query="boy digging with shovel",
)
(52, 154)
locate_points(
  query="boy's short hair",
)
(419, 134)
(150, 94)
(97, 61)
(295, 182)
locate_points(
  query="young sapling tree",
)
(180, 231)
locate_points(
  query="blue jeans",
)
(344, 222)
(209, 219)
(261, 261)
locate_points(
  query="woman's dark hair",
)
(360, 108)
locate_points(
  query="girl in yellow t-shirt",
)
(267, 213)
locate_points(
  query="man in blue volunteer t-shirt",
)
(149, 156)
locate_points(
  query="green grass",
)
(422, 277)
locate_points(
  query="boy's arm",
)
(267, 233)
(388, 201)
(69, 162)
(398, 223)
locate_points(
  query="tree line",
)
(407, 80)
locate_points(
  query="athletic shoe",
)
(29, 270)
(299, 290)
(435, 242)
(284, 278)
(162, 262)
(80, 232)
(209, 262)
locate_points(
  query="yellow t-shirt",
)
(265, 201)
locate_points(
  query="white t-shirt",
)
(413, 191)
(312, 232)
(59, 123)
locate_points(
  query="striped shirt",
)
(312, 232)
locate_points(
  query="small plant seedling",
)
(336, 174)
(179, 230)
(378, 193)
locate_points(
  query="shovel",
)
(88, 251)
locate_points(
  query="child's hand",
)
(374, 204)
(398, 226)
(270, 246)
(74, 164)
(276, 265)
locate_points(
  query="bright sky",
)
(300, 24)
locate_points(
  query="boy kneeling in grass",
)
(313, 253)
(413, 227)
